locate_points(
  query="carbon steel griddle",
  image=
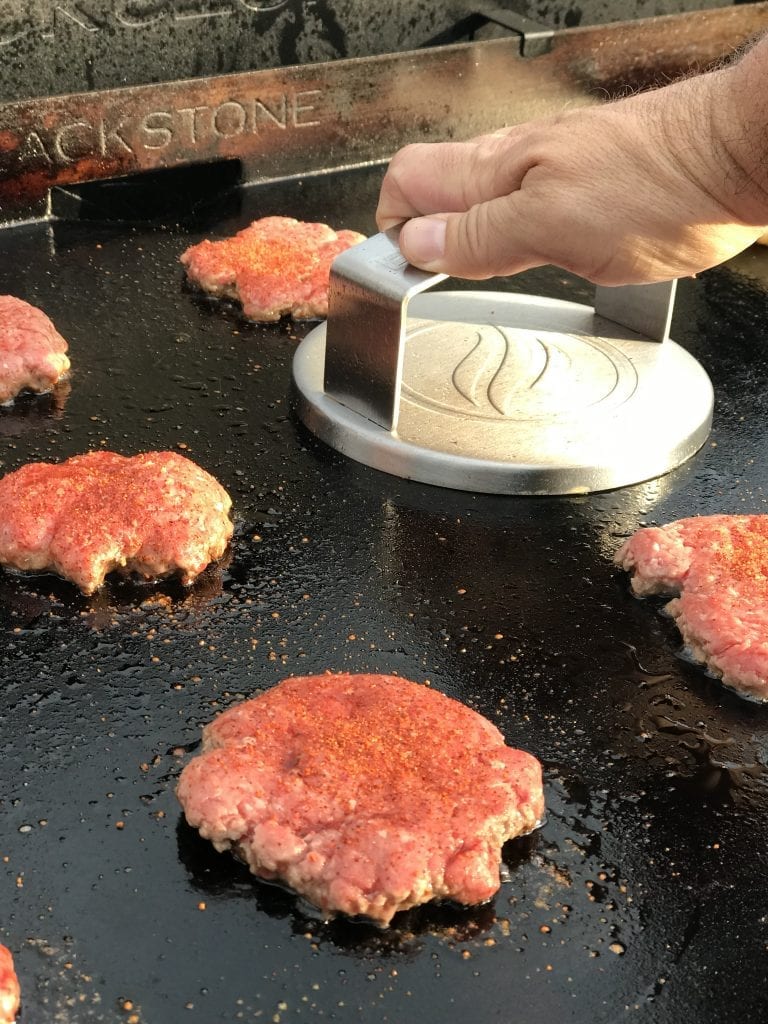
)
(645, 894)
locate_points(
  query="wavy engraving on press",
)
(475, 373)
(495, 370)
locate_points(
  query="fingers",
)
(625, 192)
(490, 239)
(448, 177)
(531, 228)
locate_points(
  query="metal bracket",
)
(369, 289)
(644, 308)
(506, 393)
(535, 38)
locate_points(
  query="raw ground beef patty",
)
(153, 514)
(32, 352)
(276, 266)
(368, 794)
(718, 565)
(10, 993)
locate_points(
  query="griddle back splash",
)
(53, 48)
(315, 117)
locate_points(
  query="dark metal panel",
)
(569, 13)
(54, 47)
(313, 117)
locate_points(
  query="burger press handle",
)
(495, 392)
(370, 287)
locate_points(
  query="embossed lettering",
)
(229, 119)
(191, 121)
(20, 18)
(111, 142)
(262, 5)
(140, 13)
(34, 148)
(73, 14)
(73, 140)
(121, 134)
(278, 116)
(302, 110)
(158, 126)
(195, 9)
(39, 17)
(16, 23)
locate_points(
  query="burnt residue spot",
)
(180, 749)
(332, 27)
(314, 31)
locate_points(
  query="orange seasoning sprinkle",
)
(744, 556)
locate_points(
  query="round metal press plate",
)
(518, 394)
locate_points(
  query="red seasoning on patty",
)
(276, 266)
(153, 514)
(718, 568)
(368, 794)
(10, 991)
(32, 352)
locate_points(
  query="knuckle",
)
(410, 154)
(471, 243)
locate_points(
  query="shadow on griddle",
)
(223, 308)
(30, 412)
(406, 497)
(25, 597)
(203, 193)
(222, 877)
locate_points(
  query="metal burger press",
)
(499, 393)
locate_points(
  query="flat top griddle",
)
(645, 894)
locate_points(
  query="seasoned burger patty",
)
(718, 565)
(32, 352)
(276, 266)
(369, 794)
(153, 514)
(10, 992)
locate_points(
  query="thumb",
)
(489, 239)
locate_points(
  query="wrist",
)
(739, 110)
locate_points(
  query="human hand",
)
(648, 188)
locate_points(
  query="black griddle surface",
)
(645, 894)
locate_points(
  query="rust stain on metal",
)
(317, 117)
